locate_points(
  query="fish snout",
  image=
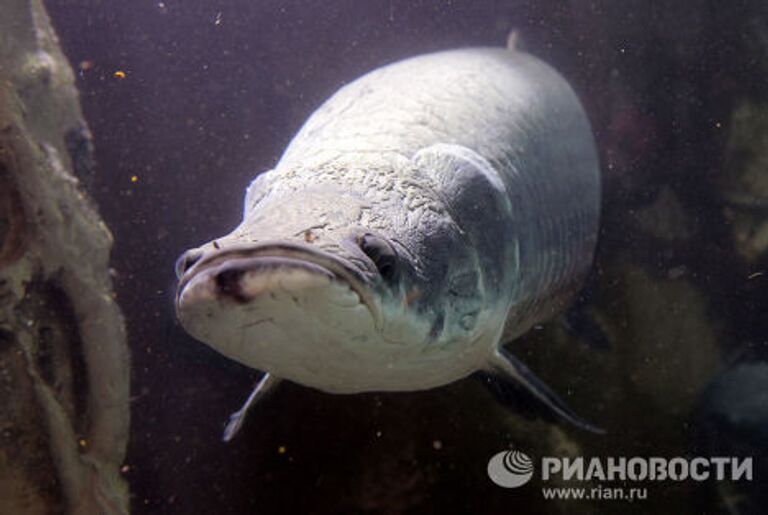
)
(245, 279)
(186, 261)
(228, 283)
(260, 277)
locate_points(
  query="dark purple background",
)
(206, 106)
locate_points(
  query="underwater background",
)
(189, 100)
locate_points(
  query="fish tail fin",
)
(264, 386)
(506, 367)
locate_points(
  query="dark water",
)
(213, 91)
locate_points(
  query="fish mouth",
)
(268, 254)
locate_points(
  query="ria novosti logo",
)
(510, 469)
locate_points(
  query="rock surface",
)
(64, 367)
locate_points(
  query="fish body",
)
(427, 213)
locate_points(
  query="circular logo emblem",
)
(510, 469)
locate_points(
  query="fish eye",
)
(382, 254)
(186, 261)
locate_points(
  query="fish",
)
(424, 217)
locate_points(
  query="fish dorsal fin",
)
(514, 43)
(513, 40)
(505, 366)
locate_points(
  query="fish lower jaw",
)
(322, 337)
(375, 366)
(311, 354)
(404, 380)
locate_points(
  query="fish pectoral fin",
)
(506, 366)
(264, 387)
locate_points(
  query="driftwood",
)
(64, 367)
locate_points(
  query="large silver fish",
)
(427, 213)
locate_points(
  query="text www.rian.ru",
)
(596, 494)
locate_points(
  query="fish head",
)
(282, 292)
(339, 288)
